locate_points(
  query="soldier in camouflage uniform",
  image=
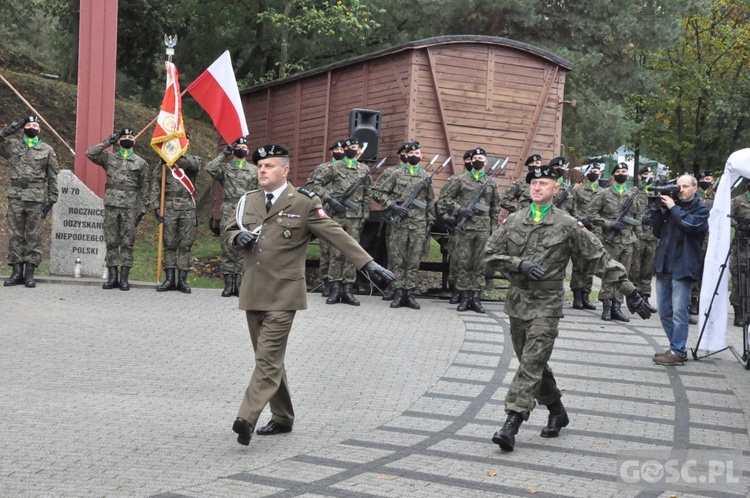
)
(180, 221)
(642, 267)
(330, 186)
(532, 248)
(519, 190)
(125, 202)
(33, 173)
(469, 248)
(237, 176)
(337, 154)
(455, 294)
(741, 223)
(603, 212)
(706, 192)
(406, 241)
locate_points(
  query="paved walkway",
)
(134, 394)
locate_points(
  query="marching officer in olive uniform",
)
(277, 224)
(706, 192)
(179, 219)
(741, 222)
(337, 154)
(532, 248)
(33, 177)
(642, 268)
(618, 236)
(236, 176)
(519, 190)
(125, 202)
(330, 186)
(469, 248)
(406, 240)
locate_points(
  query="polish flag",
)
(216, 92)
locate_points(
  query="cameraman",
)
(680, 225)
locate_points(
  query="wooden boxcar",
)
(451, 93)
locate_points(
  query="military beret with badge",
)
(478, 151)
(468, 153)
(646, 169)
(337, 144)
(411, 146)
(538, 172)
(557, 162)
(127, 131)
(271, 150)
(532, 159)
(351, 141)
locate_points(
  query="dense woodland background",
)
(668, 78)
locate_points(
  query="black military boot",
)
(463, 303)
(398, 298)
(693, 306)
(16, 276)
(737, 316)
(326, 287)
(168, 284)
(577, 299)
(228, 285)
(409, 300)
(388, 293)
(236, 284)
(112, 280)
(617, 312)
(649, 307)
(455, 295)
(28, 278)
(476, 302)
(347, 295)
(558, 418)
(607, 310)
(124, 284)
(506, 437)
(587, 305)
(182, 285)
(335, 296)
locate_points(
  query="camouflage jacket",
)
(643, 231)
(176, 196)
(396, 186)
(316, 173)
(31, 170)
(606, 207)
(334, 181)
(236, 177)
(458, 192)
(580, 198)
(550, 242)
(518, 191)
(708, 199)
(740, 207)
(127, 178)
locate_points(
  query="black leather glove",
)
(450, 222)
(617, 225)
(533, 271)
(158, 215)
(12, 128)
(646, 218)
(227, 150)
(46, 208)
(336, 206)
(138, 218)
(637, 305)
(113, 138)
(466, 213)
(586, 223)
(383, 273)
(244, 239)
(399, 210)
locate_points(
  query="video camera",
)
(654, 194)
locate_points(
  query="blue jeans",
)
(673, 300)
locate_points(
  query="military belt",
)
(20, 184)
(126, 188)
(541, 285)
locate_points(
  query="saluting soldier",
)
(469, 249)
(406, 241)
(706, 192)
(603, 211)
(236, 176)
(330, 186)
(337, 154)
(642, 268)
(532, 248)
(125, 202)
(179, 219)
(33, 191)
(277, 224)
(519, 190)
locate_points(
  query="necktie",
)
(269, 204)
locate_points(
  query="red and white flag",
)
(216, 92)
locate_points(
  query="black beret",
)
(241, 140)
(532, 158)
(127, 131)
(271, 150)
(645, 169)
(337, 143)
(32, 119)
(704, 174)
(467, 154)
(478, 151)
(557, 162)
(620, 166)
(415, 145)
(541, 172)
(402, 148)
(351, 141)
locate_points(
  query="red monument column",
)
(97, 62)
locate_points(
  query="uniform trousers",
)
(641, 269)
(405, 249)
(341, 269)
(269, 332)
(25, 227)
(179, 237)
(623, 254)
(119, 235)
(581, 277)
(469, 259)
(231, 257)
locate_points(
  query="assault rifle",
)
(474, 203)
(563, 196)
(620, 216)
(344, 198)
(412, 199)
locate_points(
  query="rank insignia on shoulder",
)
(287, 234)
(308, 193)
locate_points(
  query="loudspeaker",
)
(364, 125)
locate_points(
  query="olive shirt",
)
(32, 169)
(125, 176)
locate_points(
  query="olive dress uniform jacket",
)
(274, 266)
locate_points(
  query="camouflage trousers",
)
(25, 228)
(581, 276)
(451, 263)
(696, 291)
(468, 257)
(405, 250)
(179, 237)
(642, 267)
(623, 254)
(119, 235)
(325, 258)
(339, 268)
(231, 257)
(533, 341)
(734, 296)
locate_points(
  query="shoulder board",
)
(303, 190)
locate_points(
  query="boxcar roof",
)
(427, 42)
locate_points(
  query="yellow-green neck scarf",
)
(478, 175)
(539, 212)
(126, 153)
(620, 189)
(592, 185)
(31, 141)
(240, 163)
(560, 181)
(350, 163)
(413, 170)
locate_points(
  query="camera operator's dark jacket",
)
(681, 231)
